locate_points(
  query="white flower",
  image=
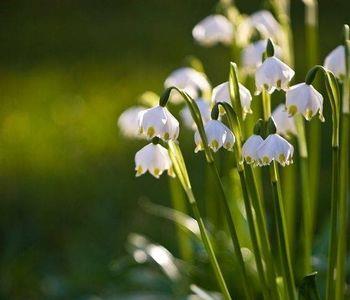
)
(266, 24)
(189, 80)
(154, 159)
(212, 30)
(250, 147)
(273, 74)
(275, 148)
(128, 122)
(158, 122)
(285, 124)
(204, 109)
(218, 135)
(305, 99)
(335, 62)
(253, 53)
(221, 93)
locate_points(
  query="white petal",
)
(273, 74)
(189, 80)
(128, 122)
(335, 61)
(204, 109)
(305, 99)
(221, 93)
(152, 158)
(158, 121)
(285, 124)
(249, 148)
(212, 30)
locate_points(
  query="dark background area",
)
(68, 195)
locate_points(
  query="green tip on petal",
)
(292, 110)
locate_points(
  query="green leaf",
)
(308, 289)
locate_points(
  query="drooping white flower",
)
(204, 109)
(273, 74)
(158, 122)
(221, 93)
(305, 99)
(212, 30)
(218, 135)
(154, 159)
(128, 122)
(266, 24)
(253, 53)
(275, 148)
(285, 124)
(250, 147)
(335, 61)
(189, 80)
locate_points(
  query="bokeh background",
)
(68, 195)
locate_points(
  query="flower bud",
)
(250, 147)
(335, 62)
(285, 124)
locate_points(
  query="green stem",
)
(266, 100)
(253, 233)
(343, 206)
(282, 233)
(207, 244)
(232, 229)
(306, 205)
(262, 228)
(289, 181)
(179, 204)
(332, 258)
(311, 41)
(344, 172)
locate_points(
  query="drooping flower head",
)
(212, 30)
(335, 62)
(285, 124)
(158, 122)
(154, 159)
(128, 122)
(221, 93)
(273, 74)
(204, 109)
(305, 99)
(218, 135)
(250, 147)
(189, 80)
(275, 148)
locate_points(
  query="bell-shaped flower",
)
(128, 122)
(273, 74)
(158, 122)
(221, 93)
(154, 159)
(335, 62)
(189, 80)
(253, 53)
(218, 135)
(204, 109)
(285, 124)
(212, 30)
(266, 24)
(250, 147)
(305, 99)
(275, 148)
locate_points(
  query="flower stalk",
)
(210, 160)
(334, 98)
(182, 174)
(344, 172)
(279, 215)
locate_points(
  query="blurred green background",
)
(68, 194)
